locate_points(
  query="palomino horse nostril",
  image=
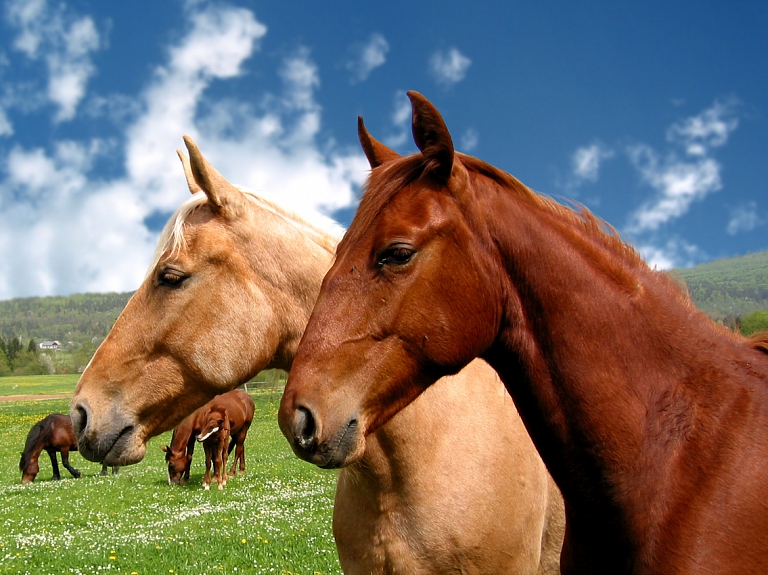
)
(304, 429)
(79, 415)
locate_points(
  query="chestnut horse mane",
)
(595, 237)
(172, 237)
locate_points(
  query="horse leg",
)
(54, 464)
(218, 467)
(65, 462)
(103, 469)
(207, 476)
(115, 469)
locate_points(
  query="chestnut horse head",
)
(403, 305)
(227, 295)
(649, 416)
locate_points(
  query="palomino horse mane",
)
(172, 236)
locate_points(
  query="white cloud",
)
(469, 140)
(744, 218)
(680, 181)
(586, 162)
(6, 128)
(449, 67)
(63, 41)
(401, 121)
(64, 231)
(368, 57)
(675, 253)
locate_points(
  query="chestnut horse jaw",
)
(364, 355)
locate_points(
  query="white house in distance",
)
(55, 344)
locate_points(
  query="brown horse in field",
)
(228, 295)
(652, 419)
(178, 455)
(227, 415)
(52, 434)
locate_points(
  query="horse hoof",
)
(221, 486)
(206, 487)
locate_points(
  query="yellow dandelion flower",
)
(243, 541)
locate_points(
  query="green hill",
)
(729, 287)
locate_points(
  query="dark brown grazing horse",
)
(53, 434)
(652, 419)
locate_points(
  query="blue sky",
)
(654, 115)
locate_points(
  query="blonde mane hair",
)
(172, 237)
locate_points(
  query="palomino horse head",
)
(391, 317)
(218, 305)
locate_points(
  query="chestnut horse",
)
(53, 434)
(178, 455)
(652, 419)
(228, 295)
(227, 415)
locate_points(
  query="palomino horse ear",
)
(220, 192)
(431, 136)
(193, 185)
(376, 152)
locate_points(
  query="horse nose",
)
(80, 415)
(304, 430)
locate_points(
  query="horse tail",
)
(231, 446)
(35, 435)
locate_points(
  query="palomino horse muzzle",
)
(113, 441)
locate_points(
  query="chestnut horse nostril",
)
(304, 429)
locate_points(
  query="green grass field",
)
(274, 519)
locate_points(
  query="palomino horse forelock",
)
(651, 418)
(232, 286)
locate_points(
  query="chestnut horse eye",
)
(396, 255)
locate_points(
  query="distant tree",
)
(32, 347)
(5, 366)
(754, 321)
(13, 348)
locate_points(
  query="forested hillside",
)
(78, 317)
(71, 328)
(730, 287)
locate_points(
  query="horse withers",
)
(651, 418)
(234, 272)
(52, 434)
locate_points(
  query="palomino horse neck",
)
(426, 498)
(645, 411)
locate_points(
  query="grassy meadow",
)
(274, 519)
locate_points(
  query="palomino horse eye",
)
(396, 255)
(171, 278)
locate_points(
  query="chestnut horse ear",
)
(165, 448)
(376, 152)
(191, 183)
(431, 136)
(221, 194)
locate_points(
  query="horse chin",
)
(347, 447)
(127, 450)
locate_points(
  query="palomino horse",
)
(228, 295)
(227, 415)
(652, 419)
(53, 434)
(178, 455)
